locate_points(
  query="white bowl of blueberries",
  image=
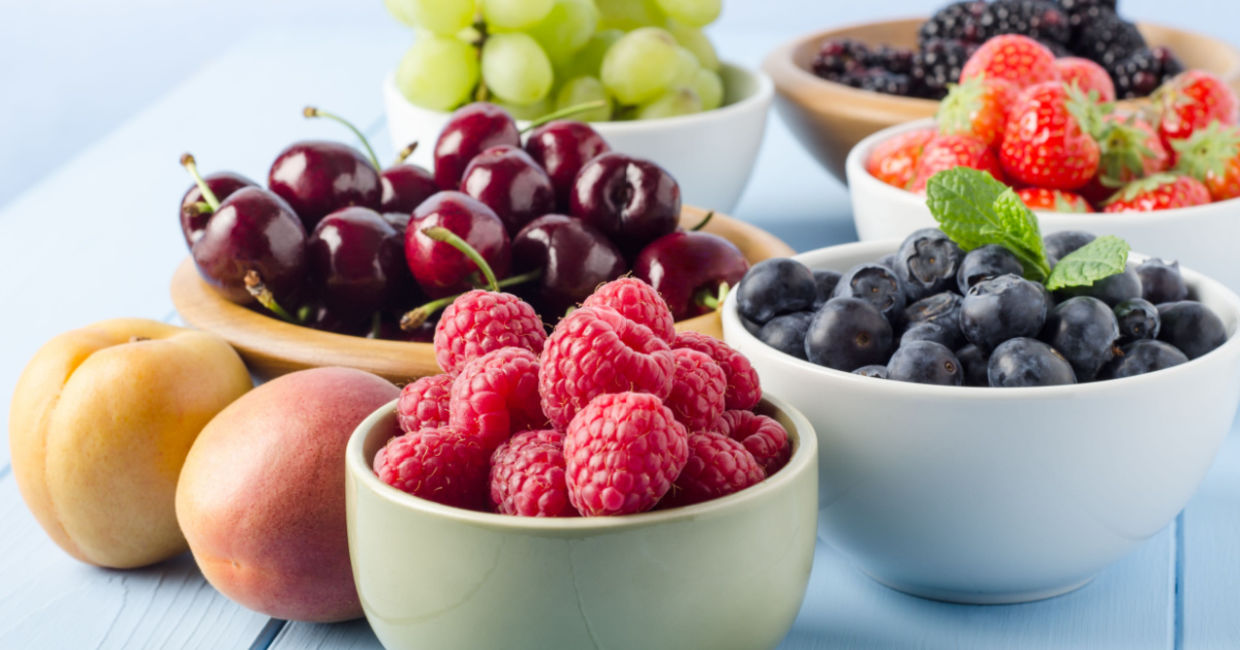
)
(984, 439)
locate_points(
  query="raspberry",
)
(764, 437)
(424, 403)
(443, 465)
(527, 476)
(638, 302)
(496, 395)
(698, 385)
(479, 321)
(717, 466)
(593, 351)
(622, 452)
(744, 390)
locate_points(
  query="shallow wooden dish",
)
(829, 118)
(272, 347)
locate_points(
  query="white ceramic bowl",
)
(998, 495)
(728, 573)
(1203, 237)
(711, 154)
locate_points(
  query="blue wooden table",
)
(97, 237)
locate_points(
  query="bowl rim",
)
(804, 455)
(760, 98)
(876, 248)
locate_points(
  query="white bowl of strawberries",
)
(1161, 177)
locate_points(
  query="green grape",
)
(401, 10)
(709, 87)
(580, 90)
(515, 68)
(514, 14)
(681, 101)
(695, 41)
(694, 13)
(589, 60)
(438, 72)
(527, 112)
(443, 17)
(566, 29)
(686, 67)
(640, 66)
(627, 15)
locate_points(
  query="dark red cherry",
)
(442, 270)
(357, 262)
(563, 147)
(688, 267)
(470, 130)
(574, 257)
(398, 220)
(318, 177)
(632, 201)
(509, 182)
(405, 187)
(253, 230)
(193, 219)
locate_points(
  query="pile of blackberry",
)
(1086, 28)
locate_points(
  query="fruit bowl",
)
(435, 576)
(1202, 236)
(998, 495)
(271, 347)
(711, 154)
(829, 118)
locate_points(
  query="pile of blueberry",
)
(932, 313)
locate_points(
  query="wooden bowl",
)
(272, 347)
(829, 118)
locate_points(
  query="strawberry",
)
(1045, 199)
(949, 151)
(977, 106)
(1015, 58)
(1212, 156)
(1192, 100)
(1087, 75)
(1043, 142)
(1158, 192)
(894, 161)
(1130, 149)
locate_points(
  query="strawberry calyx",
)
(1207, 151)
(1065, 204)
(1090, 113)
(1143, 186)
(963, 100)
(1122, 152)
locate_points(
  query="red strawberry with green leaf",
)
(1045, 199)
(1159, 192)
(894, 161)
(955, 150)
(1087, 75)
(1192, 100)
(1130, 149)
(1212, 156)
(1015, 58)
(1044, 142)
(977, 106)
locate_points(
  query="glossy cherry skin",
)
(563, 147)
(319, 177)
(253, 230)
(440, 269)
(574, 256)
(357, 262)
(471, 129)
(222, 184)
(509, 182)
(630, 200)
(405, 187)
(685, 263)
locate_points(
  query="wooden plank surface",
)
(1210, 569)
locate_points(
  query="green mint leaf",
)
(1101, 258)
(974, 209)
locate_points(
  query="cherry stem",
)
(406, 152)
(712, 299)
(257, 288)
(441, 234)
(705, 220)
(565, 112)
(414, 318)
(188, 162)
(311, 111)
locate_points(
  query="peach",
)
(261, 497)
(101, 421)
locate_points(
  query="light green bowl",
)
(728, 573)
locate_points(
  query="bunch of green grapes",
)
(640, 58)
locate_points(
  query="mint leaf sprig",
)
(1100, 258)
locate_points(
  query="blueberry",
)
(1059, 244)
(826, 280)
(847, 333)
(1002, 308)
(1112, 289)
(876, 371)
(786, 332)
(773, 287)
(1140, 357)
(750, 326)
(1084, 331)
(989, 261)
(927, 263)
(1138, 319)
(889, 261)
(941, 307)
(1028, 362)
(973, 361)
(1190, 326)
(1161, 281)
(875, 284)
(943, 333)
(925, 362)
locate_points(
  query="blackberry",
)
(891, 59)
(840, 57)
(937, 64)
(958, 21)
(1079, 11)
(1144, 71)
(1038, 19)
(885, 82)
(1106, 38)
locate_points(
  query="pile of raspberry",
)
(613, 413)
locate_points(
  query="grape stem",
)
(405, 153)
(190, 165)
(565, 112)
(705, 220)
(712, 300)
(257, 288)
(414, 318)
(311, 111)
(441, 234)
